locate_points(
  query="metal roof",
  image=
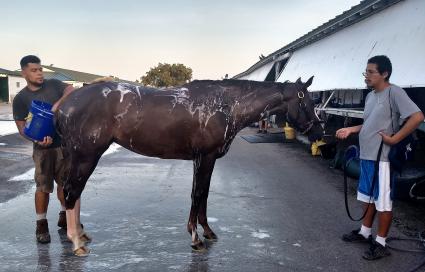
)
(69, 75)
(337, 61)
(259, 74)
(11, 73)
(58, 76)
(356, 14)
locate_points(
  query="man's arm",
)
(66, 92)
(343, 133)
(411, 124)
(21, 126)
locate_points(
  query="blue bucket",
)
(39, 123)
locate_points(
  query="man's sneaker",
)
(355, 237)
(42, 231)
(376, 251)
(62, 220)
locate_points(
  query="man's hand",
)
(55, 106)
(343, 133)
(46, 141)
(411, 124)
(66, 92)
(388, 140)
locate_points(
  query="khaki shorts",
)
(49, 166)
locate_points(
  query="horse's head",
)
(298, 109)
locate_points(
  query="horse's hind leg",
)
(80, 170)
(203, 167)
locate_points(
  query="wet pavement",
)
(272, 205)
(6, 111)
(7, 125)
(15, 159)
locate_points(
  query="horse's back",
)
(167, 123)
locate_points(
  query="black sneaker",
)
(376, 251)
(355, 237)
(42, 232)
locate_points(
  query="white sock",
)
(63, 208)
(381, 240)
(365, 231)
(41, 216)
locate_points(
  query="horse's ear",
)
(308, 83)
(298, 81)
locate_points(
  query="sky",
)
(126, 38)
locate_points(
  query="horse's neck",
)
(255, 104)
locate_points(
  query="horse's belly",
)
(158, 149)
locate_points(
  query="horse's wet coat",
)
(197, 121)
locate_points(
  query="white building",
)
(11, 83)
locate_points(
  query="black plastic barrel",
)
(352, 168)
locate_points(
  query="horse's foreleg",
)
(203, 166)
(202, 219)
(80, 171)
(74, 230)
(202, 213)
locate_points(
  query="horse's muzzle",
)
(315, 132)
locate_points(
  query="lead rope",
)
(420, 239)
(375, 176)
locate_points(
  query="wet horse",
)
(197, 121)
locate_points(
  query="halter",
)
(302, 107)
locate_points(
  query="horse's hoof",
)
(210, 237)
(82, 251)
(199, 247)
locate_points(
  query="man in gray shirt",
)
(384, 106)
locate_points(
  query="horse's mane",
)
(246, 84)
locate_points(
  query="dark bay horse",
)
(197, 121)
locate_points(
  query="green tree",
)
(166, 75)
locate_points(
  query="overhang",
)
(259, 74)
(337, 61)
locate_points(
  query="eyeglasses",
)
(369, 72)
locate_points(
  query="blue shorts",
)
(367, 170)
(382, 194)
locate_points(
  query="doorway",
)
(4, 89)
